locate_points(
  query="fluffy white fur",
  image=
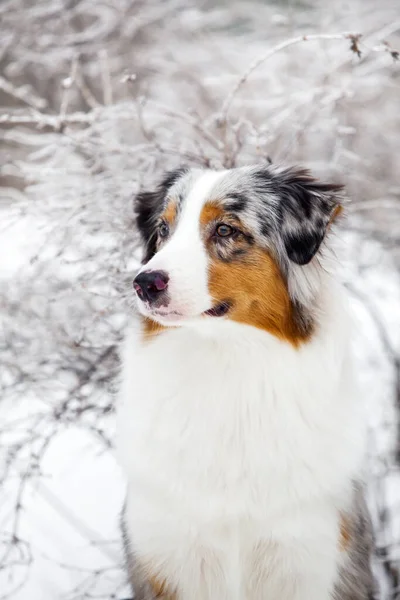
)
(239, 449)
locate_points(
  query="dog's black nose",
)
(149, 285)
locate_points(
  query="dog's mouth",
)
(219, 310)
(167, 315)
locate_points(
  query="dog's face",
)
(221, 245)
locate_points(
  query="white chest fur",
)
(238, 447)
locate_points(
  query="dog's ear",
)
(149, 207)
(307, 207)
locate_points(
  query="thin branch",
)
(106, 78)
(23, 94)
(41, 121)
(85, 90)
(353, 37)
(67, 85)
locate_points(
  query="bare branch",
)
(41, 121)
(354, 37)
(22, 93)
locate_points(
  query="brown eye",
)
(163, 230)
(223, 230)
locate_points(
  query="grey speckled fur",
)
(355, 579)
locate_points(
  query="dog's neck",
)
(217, 347)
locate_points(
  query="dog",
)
(239, 424)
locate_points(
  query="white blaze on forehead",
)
(198, 195)
(184, 257)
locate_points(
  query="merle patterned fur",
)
(287, 205)
(285, 210)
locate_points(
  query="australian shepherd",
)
(239, 424)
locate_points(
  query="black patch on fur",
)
(305, 209)
(149, 206)
(238, 203)
(249, 238)
(228, 255)
(263, 180)
(301, 247)
(238, 252)
(265, 228)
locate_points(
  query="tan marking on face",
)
(258, 293)
(212, 215)
(211, 212)
(170, 213)
(344, 534)
(253, 284)
(151, 329)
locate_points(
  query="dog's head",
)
(234, 244)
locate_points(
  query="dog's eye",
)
(163, 230)
(223, 230)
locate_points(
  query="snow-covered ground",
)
(70, 519)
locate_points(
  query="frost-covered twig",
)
(22, 93)
(353, 37)
(67, 83)
(42, 121)
(106, 77)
